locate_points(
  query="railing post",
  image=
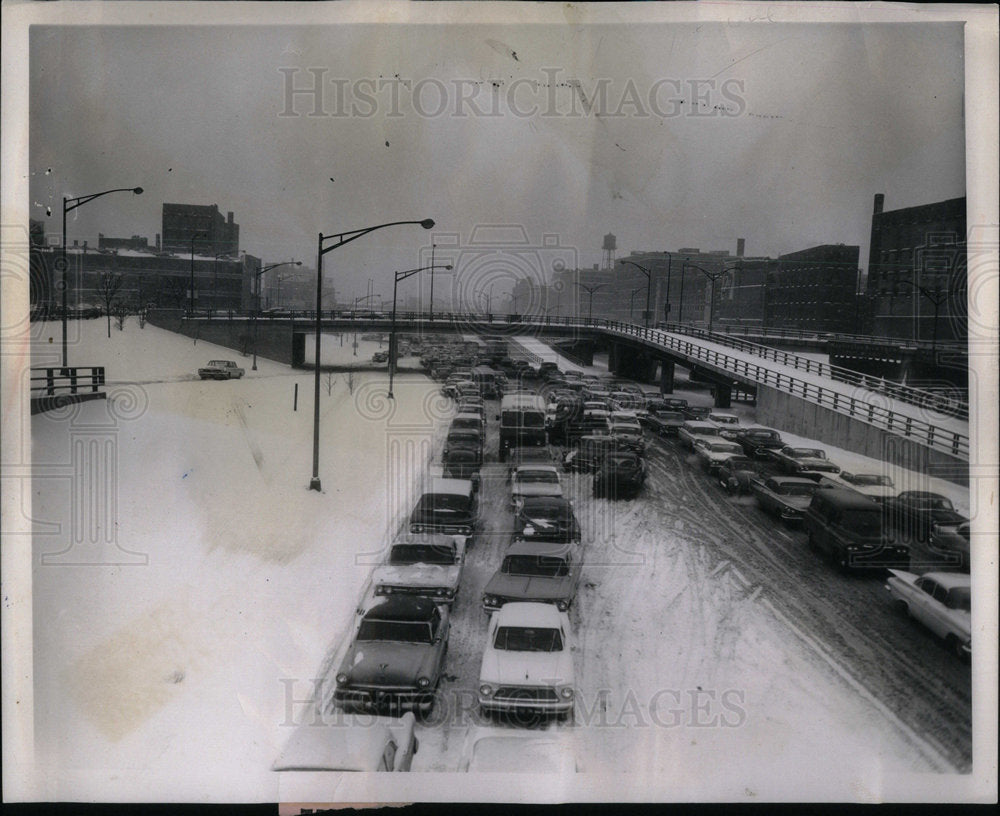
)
(50, 383)
(72, 380)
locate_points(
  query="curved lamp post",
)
(339, 239)
(713, 277)
(70, 204)
(392, 335)
(649, 287)
(256, 310)
(590, 291)
(631, 300)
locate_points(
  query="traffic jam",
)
(524, 457)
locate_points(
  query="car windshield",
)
(723, 447)
(806, 453)
(870, 480)
(940, 503)
(541, 476)
(796, 489)
(443, 503)
(866, 523)
(523, 639)
(625, 425)
(761, 435)
(399, 631)
(623, 460)
(544, 566)
(960, 598)
(739, 463)
(405, 554)
(460, 456)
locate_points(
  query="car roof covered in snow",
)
(525, 613)
(458, 487)
(401, 608)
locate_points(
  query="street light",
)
(631, 300)
(257, 298)
(70, 204)
(590, 291)
(649, 287)
(392, 334)
(713, 277)
(340, 239)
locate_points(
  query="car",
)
(914, 512)
(696, 413)
(735, 473)
(729, 423)
(380, 357)
(527, 664)
(396, 658)
(950, 541)
(378, 744)
(526, 456)
(546, 572)
(221, 370)
(627, 401)
(535, 480)
(759, 442)
(428, 564)
(546, 518)
(674, 403)
(464, 438)
(693, 430)
(467, 422)
(877, 486)
(713, 452)
(591, 422)
(522, 422)
(663, 422)
(449, 506)
(474, 408)
(848, 528)
(587, 452)
(462, 463)
(784, 496)
(628, 430)
(941, 601)
(796, 461)
(621, 474)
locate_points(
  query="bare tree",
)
(350, 382)
(121, 312)
(331, 381)
(109, 286)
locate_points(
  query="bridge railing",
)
(863, 407)
(946, 404)
(55, 381)
(756, 330)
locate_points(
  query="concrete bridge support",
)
(666, 376)
(723, 396)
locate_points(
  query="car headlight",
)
(567, 693)
(562, 606)
(465, 530)
(383, 590)
(490, 600)
(416, 528)
(342, 678)
(485, 690)
(423, 682)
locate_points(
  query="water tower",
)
(610, 245)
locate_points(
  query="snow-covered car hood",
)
(537, 489)
(502, 667)
(418, 575)
(809, 463)
(389, 663)
(531, 587)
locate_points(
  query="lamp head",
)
(448, 266)
(427, 223)
(137, 190)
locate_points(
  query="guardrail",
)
(747, 330)
(58, 385)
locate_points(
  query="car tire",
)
(955, 647)
(901, 607)
(842, 561)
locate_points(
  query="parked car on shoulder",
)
(620, 475)
(463, 463)
(221, 370)
(759, 442)
(379, 744)
(848, 528)
(428, 564)
(736, 472)
(713, 452)
(941, 601)
(796, 461)
(914, 512)
(784, 496)
(396, 657)
(546, 572)
(527, 664)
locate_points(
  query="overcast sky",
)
(666, 135)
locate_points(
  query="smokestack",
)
(229, 217)
(740, 244)
(879, 202)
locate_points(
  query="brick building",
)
(201, 224)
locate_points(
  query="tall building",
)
(201, 226)
(815, 289)
(917, 271)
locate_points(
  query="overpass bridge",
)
(920, 430)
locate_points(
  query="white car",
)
(877, 486)
(713, 452)
(941, 601)
(535, 480)
(729, 423)
(528, 663)
(376, 744)
(428, 564)
(510, 750)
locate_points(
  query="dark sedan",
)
(546, 518)
(620, 475)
